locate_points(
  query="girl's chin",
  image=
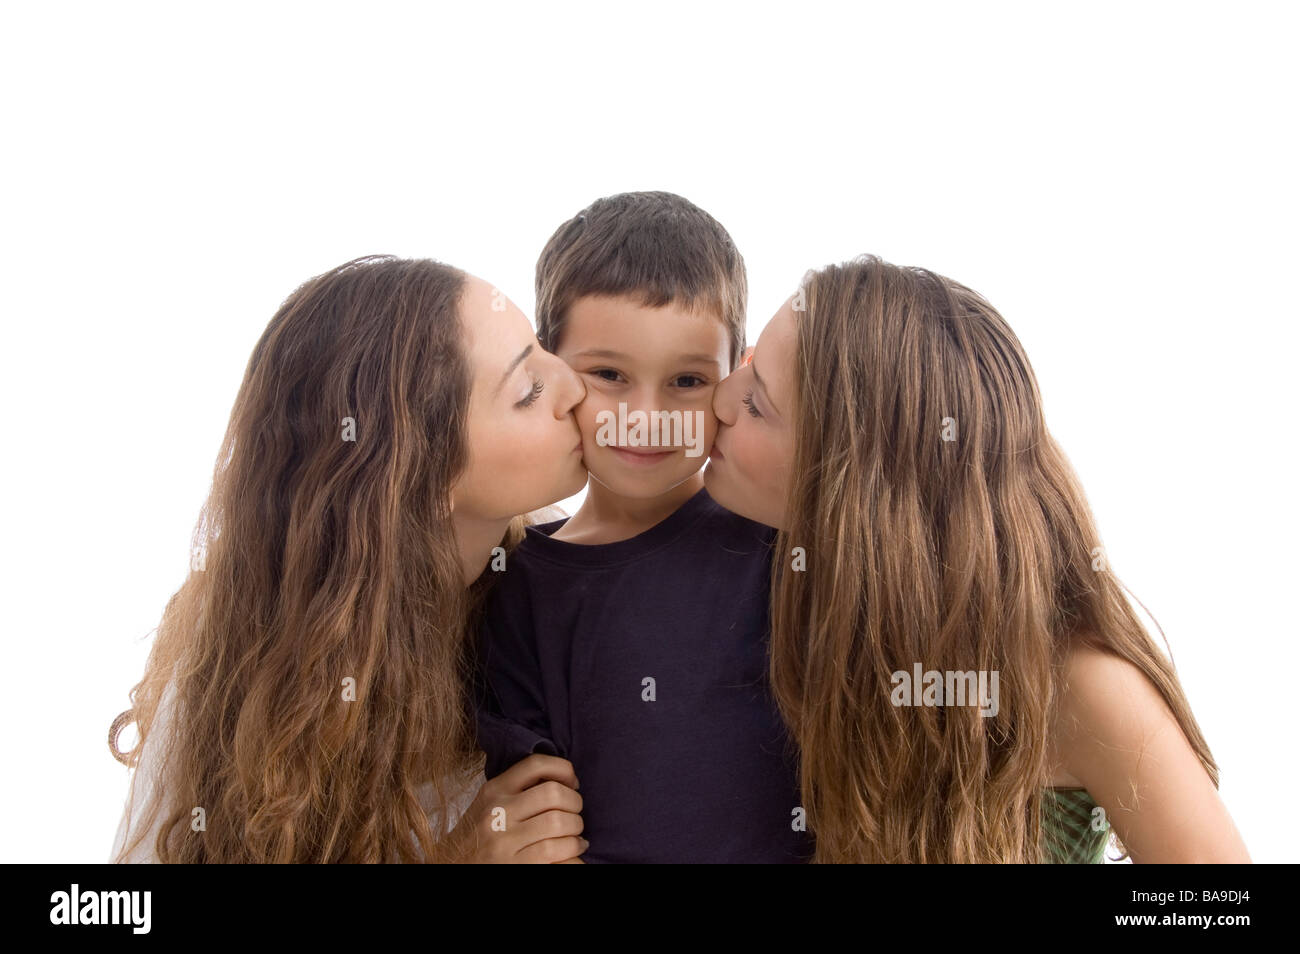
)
(719, 488)
(572, 484)
(716, 484)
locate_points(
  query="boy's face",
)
(651, 360)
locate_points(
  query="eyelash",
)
(748, 401)
(533, 395)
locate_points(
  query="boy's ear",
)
(747, 357)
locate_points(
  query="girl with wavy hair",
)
(888, 423)
(306, 696)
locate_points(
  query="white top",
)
(144, 789)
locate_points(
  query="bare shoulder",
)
(1115, 735)
(1103, 687)
(1106, 704)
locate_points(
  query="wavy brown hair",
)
(963, 555)
(324, 558)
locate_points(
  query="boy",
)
(631, 638)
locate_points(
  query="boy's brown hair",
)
(653, 246)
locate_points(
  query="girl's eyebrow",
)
(753, 366)
(513, 364)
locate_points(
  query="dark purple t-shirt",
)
(644, 662)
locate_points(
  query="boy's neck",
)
(607, 517)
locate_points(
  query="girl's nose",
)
(726, 396)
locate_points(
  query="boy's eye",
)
(606, 374)
(748, 401)
(693, 381)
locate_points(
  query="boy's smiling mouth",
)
(642, 458)
(636, 430)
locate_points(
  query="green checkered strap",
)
(1069, 835)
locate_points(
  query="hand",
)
(537, 802)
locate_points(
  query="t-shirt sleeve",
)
(511, 715)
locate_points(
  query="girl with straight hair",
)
(889, 424)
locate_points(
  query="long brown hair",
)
(942, 525)
(324, 554)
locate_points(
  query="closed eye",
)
(748, 401)
(533, 395)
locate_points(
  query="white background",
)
(1119, 179)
